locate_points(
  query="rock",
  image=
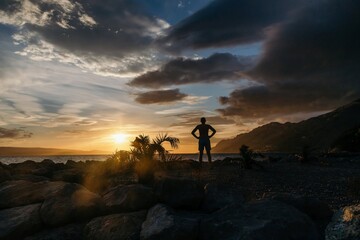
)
(317, 210)
(75, 204)
(48, 163)
(129, 198)
(345, 224)
(19, 193)
(68, 232)
(69, 175)
(271, 220)
(218, 196)
(116, 226)
(31, 167)
(4, 174)
(30, 178)
(163, 224)
(25, 167)
(180, 193)
(313, 207)
(18, 222)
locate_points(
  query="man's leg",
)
(201, 152)
(208, 152)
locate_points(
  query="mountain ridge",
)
(319, 132)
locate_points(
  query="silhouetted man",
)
(204, 138)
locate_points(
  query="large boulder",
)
(313, 207)
(4, 174)
(345, 224)
(19, 193)
(180, 193)
(129, 198)
(69, 175)
(317, 210)
(30, 178)
(271, 220)
(68, 232)
(31, 167)
(18, 222)
(162, 223)
(26, 167)
(116, 226)
(218, 196)
(75, 204)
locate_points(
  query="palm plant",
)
(145, 151)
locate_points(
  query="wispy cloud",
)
(15, 133)
(111, 41)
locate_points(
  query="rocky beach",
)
(99, 200)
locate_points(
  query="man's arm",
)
(193, 132)
(213, 131)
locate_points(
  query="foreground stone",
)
(20, 193)
(270, 220)
(218, 196)
(68, 232)
(129, 198)
(75, 204)
(16, 223)
(317, 210)
(163, 224)
(116, 226)
(30, 178)
(44, 168)
(4, 174)
(180, 193)
(75, 175)
(345, 224)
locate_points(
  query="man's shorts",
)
(204, 143)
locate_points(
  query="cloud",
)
(310, 63)
(228, 22)
(160, 96)
(105, 28)
(15, 133)
(110, 38)
(217, 67)
(189, 120)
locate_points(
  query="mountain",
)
(20, 151)
(320, 132)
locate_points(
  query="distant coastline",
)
(25, 152)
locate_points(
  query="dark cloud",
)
(160, 97)
(264, 102)
(310, 63)
(110, 27)
(220, 66)
(193, 121)
(228, 22)
(15, 133)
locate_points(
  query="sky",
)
(92, 75)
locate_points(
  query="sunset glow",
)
(94, 76)
(120, 137)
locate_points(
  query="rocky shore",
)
(94, 200)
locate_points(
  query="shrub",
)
(146, 153)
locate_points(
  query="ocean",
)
(78, 158)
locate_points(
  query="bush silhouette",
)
(147, 151)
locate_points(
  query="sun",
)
(119, 137)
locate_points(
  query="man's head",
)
(203, 120)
